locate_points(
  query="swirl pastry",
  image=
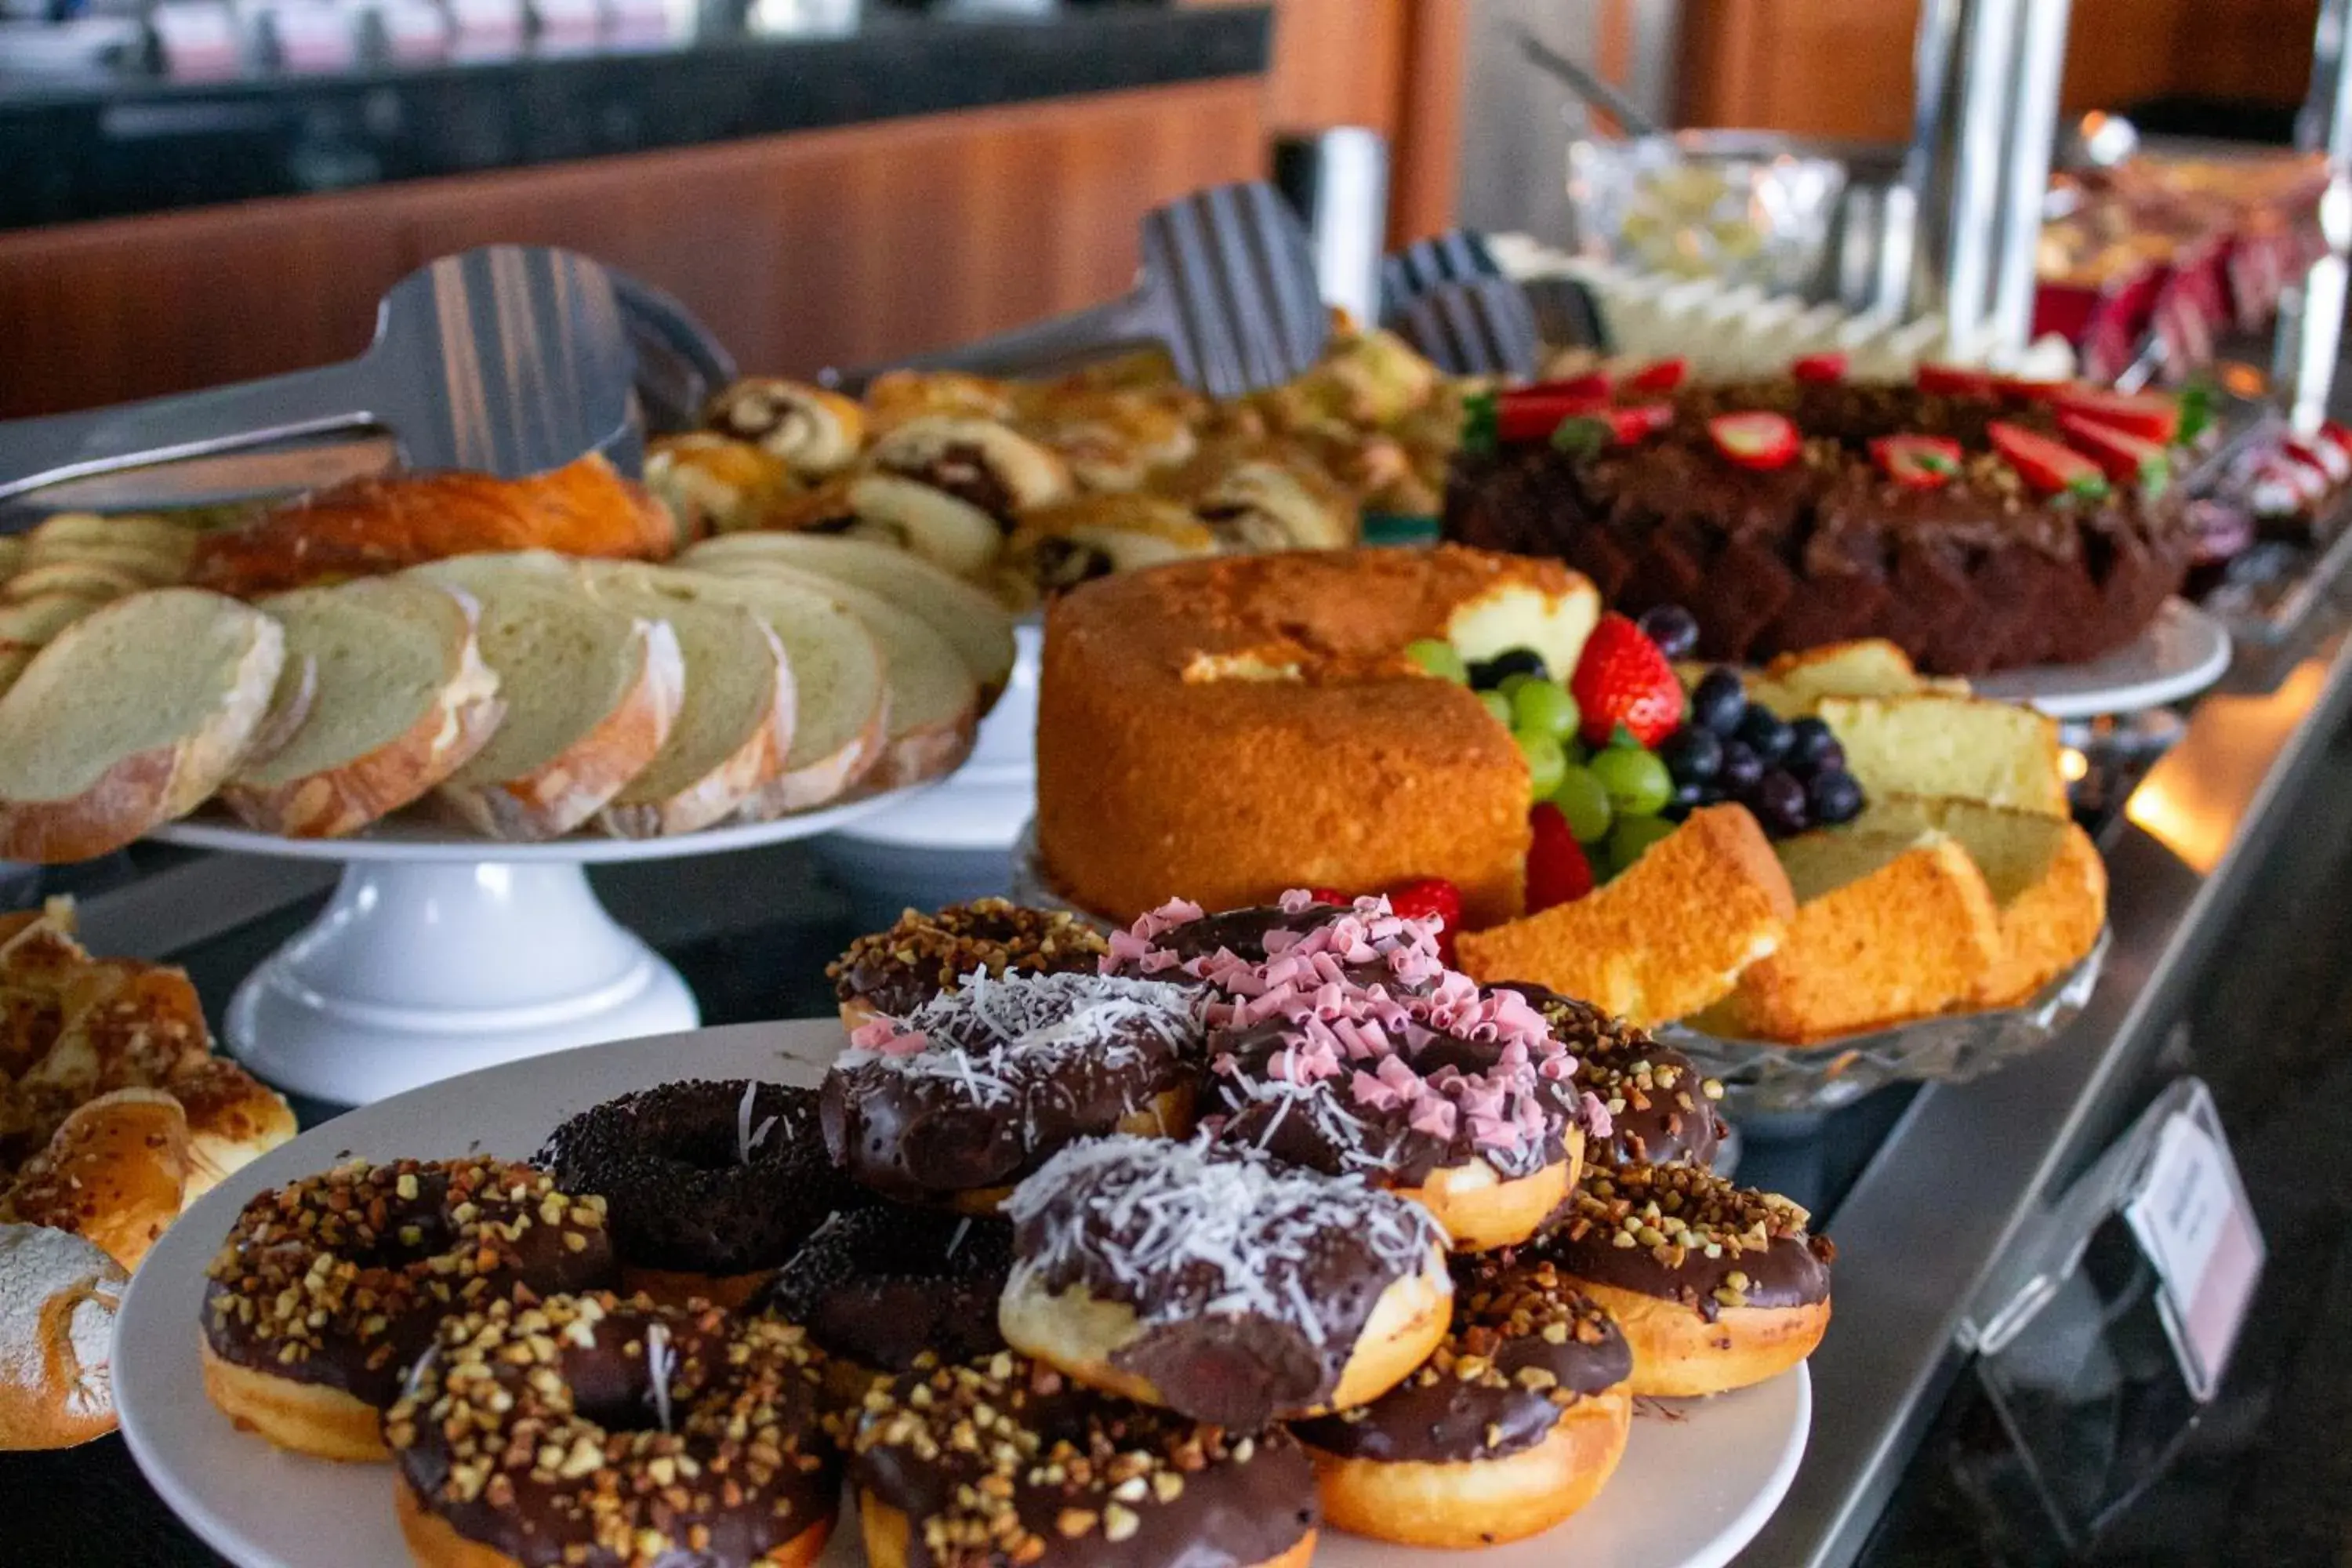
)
(1265, 505)
(815, 432)
(716, 484)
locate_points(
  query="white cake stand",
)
(441, 953)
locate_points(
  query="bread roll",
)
(114, 1172)
(58, 1298)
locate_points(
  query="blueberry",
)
(1778, 802)
(1693, 755)
(1835, 797)
(1766, 732)
(1741, 768)
(1830, 759)
(1807, 738)
(1672, 627)
(1718, 700)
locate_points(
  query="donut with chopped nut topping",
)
(708, 1185)
(1219, 1282)
(897, 970)
(1716, 1286)
(326, 1289)
(1661, 1111)
(1512, 1425)
(1004, 1462)
(614, 1432)
(955, 1102)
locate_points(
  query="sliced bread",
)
(34, 622)
(1966, 748)
(591, 691)
(89, 579)
(2046, 878)
(841, 693)
(934, 707)
(980, 627)
(1888, 928)
(131, 718)
(402, 700)
(1671, 934)
(71, 530)
(733, 732)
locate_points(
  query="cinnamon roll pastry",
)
(815, 432)
(718, 484)
(1111, 440)
(899, 395)
(984, 463)
(1366, 378)
(1265, 505)
(1085, 537)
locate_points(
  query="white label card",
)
(2190, 1217)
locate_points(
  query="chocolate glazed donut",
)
(708, 1184)
(326, 1289)
(594, 1429)
(1661, 1111)
(1716, 1287)
(962, 1098)
(894, 971)
(1513, 1424)
(1062, 1476)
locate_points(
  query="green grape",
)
(1544, 708)
(1545, 762)
(1583, 799)
(1634, 835)
(1499, 705)
(1637, 782)
(1510, 684)
(1439, 658)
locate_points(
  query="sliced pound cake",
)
(1944, 746)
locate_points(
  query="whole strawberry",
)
(1558, 871)
(1431, 898)
(1623, 678)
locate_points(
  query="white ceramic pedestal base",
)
(417, 971)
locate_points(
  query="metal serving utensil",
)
(509, 360)
(1227, 288)
(1474, 326)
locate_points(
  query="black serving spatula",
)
(510, 360)
(1227, 288)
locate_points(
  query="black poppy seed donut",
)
(1661, 1111)
(894, 971)
(1005, 1463)
(1219, 1282)
(604, 1430)
(326, 1290)
(962, 1096)
(708, 1184)
(1350, 1046)
(1716, 1286)
(880, 1288)
(1512, 1425)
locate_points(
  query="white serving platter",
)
(2183, 651)
(1699, 1477)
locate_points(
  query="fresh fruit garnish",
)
(1544, 707)
(2127, 459)
(1624, 680)
(1530, 415)
(1957, 381)
(1719, 699)
(1479, 424)
(1428, 898)
(1488, 673)
(1499, 705)
(1632, 838)
(1835, 797)
(1602, 427)
(1659, 376)
(2337, 435)
(1779, 805)
(1755, 440)
(2322, 454)
(1558, 872)
(1440, 658)
(2049, 466)
(1765, 733)
(1693, 755)
(2030, 388)
(1672, 627)
(1819, 368)
(2151, 415)
(1547, 762)
(1637, 782)
(1809, 741)
(1593, 384)
(1921, 462)
(1583, 799)
(1331, 896)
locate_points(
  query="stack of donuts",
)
(1171, 1248)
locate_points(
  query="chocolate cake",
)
(1976, 573)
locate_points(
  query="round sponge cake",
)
(1223, 729)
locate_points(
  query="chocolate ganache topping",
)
(899, 970)
(1684, 1234)
(1250, 1279)
(1661, 1111)
(880, 1286)
(1351, 1046)
(1525, 1346)
(1006, 1461)
(595, 1431)
(971, 1090)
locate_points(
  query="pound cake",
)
(1953, 520)
(1229, 728)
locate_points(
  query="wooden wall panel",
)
(834, 246)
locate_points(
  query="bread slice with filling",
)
(401, 700)
(131, 718)
(591, 691)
